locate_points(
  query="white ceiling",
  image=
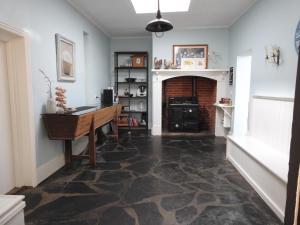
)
(117, 18)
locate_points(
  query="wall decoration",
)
(51, 104)
(297, 37)
(61, 99)
(274, 56)
(214, 57)
(190, 56)
(65, 56)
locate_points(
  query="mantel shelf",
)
(187, 71)
(215, 74)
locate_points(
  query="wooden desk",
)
(72, 126)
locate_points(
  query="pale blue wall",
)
(217, 40)
(42, 19)
(129, 44)
(268, 23)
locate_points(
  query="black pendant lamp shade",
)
(159, 25)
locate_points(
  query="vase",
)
(51, 105)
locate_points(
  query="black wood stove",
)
(183, 114)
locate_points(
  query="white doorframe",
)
(21, 101)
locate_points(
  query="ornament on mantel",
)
(167, 64)
(51, 104)
(61, 99)
(157, 63)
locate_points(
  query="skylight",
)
(150, 6)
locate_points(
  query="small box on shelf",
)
(138, 61)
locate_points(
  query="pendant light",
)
(159, 25)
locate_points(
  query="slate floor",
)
(150, 181)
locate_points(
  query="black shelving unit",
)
(123, 71)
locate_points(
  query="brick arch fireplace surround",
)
(211, 86)
(204, 89)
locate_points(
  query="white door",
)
(7, 177)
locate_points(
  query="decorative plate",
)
(297, 37)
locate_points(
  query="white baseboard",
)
(50, 167)
(257, 188)
(156, 130)
(219, 131)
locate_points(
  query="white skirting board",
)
(270, 188)
(156, 130)
(50, 167)
(47, 169)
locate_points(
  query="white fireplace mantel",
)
(215, 74)
(160, 75)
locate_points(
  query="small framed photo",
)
(231, 71)
(65, 59)
(191, 57)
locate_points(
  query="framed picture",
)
(65, 59)
(191, 57)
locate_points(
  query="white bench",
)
(275, 161)
(262, 156)
(11, 210)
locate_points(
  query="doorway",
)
(242, 94)
(86, 64)
(17, 136)
(7, 174)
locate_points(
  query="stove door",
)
(191, 114)
(191, 126)
(175, 114)
(176, 126)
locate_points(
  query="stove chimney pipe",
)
(194, 86)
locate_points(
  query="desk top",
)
(80, 110)
(73, 125)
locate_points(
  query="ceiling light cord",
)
(158, 15)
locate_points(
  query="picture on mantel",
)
(190, 57)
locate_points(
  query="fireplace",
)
(182, 114)
(215, 81)
(195, 108)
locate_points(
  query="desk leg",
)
(114, 126)
(68, 152)
(92, 145)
